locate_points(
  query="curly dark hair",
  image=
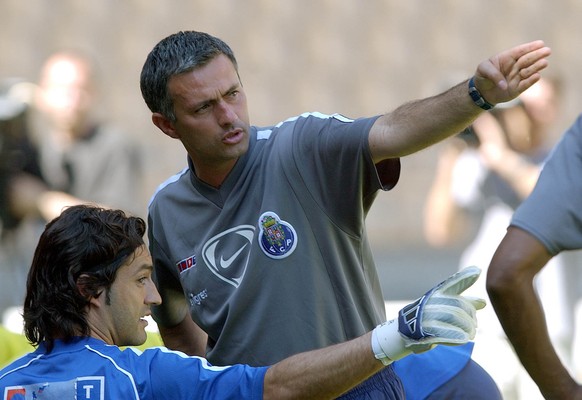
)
(77, 258)
(176, 54)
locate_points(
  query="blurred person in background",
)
(20, 183)
(494, 161)
(82, 157)
(482, 176)
(74, 155)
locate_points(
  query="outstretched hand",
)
(506, 75)
(441, 316)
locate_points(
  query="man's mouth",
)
(233, 137)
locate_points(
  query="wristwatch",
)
(477, 98)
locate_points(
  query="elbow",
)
(512, 269)
(499, 282)
(503, 277)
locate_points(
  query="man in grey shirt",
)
(259, 246)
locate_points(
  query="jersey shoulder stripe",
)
(167, 182)
(21, 366)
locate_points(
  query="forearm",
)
(520, 174)
(511, 291)
(324, 373)
(443, 218)
(440, 316)
(23, 193)
(186, 337)
(421, 123)
(52, 203)
(523, 321)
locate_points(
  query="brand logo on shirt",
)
(186, 263)
(198, 298)
(278, 238)
(227, 254)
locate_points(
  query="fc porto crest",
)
(277, 238)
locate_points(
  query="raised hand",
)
(506, 75)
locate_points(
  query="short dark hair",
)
(174, 55)
(77, 258)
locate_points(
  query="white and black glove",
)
(441, 316)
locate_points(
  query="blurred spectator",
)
(482, 176)
(66, 155)
(20, 184)
(81, 156)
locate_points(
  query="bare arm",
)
(419, 124)
(329, 372)
(186, 337)
(51, 203)
(510, 285)
(519, 173)
(444, 220)
(495, 151)
(23, 193)
(28, 195)
(178, 330)
(324, 373)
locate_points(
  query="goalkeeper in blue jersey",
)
(90, 287)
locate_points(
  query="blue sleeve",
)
(553, 211)
(174, 375)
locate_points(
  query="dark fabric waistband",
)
(385, 385)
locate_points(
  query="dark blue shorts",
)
(385, 385)
(445, 372)
(472, 382)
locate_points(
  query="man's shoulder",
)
(172, 183)
(306, 122)
(312, 117)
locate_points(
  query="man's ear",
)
(87, 290)
(165, 125)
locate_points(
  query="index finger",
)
(460, 281)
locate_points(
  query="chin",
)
(136, 340)
(141, 339)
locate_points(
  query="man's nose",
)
(153, 296)
(226, 113)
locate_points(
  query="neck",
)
(214, 175)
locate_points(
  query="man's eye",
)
(202, 108)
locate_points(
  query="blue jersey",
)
(89, 369)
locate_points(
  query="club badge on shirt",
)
(277, 238)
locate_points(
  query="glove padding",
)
(441, 316)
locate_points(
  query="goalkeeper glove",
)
(441, 316)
